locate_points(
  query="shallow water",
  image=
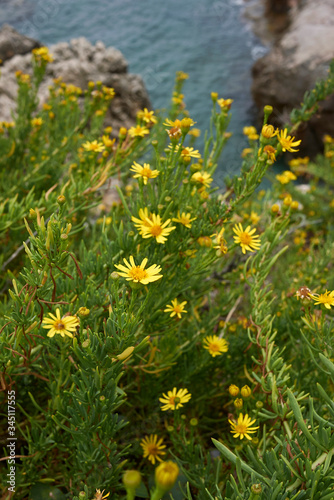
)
(208, 39)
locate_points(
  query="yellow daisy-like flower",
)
(152, 448)
(246, 238)
(243, 427)
(184, 219)
(138, 274)
(138, 131)
(215, 345)
(142, 221)
(249, 131)
(286, 177)
(154, 228)
(174, 399)
(63, 326)
(36, 122)
(176, 309)
(172, 124)
(95, 146)
(145, 172)
(254, 217)
(147, 116)
(202, 178)
(327, 299)
(287, 142)
(225, 103)
(186, 152)
(99, 495)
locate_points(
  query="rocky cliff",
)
(77, 62)
(299, 58)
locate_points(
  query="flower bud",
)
(83, 312)
(122, 132)
(214, 96)
(238, 403)
(131, 480)
(166, 475)
(246, 391)
(294, 205)
(233, 390)
(275, 208)
(61, 199)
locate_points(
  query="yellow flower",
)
(271, 153)
(142, 221)
(184, 219)
(147, 116)
(215, 345)
(154, 228)
(138, 131)
(246, 152)
(195, 132)
(249, 131)
(233, 390)
(145, 172)
(181, 75)
(286, 177)
(246, 391)
(63, 326)
(187, 152)
(225, 103)
(96, 147)
(327, 299)
(170, 123)
(107, 141)
(165, 476)
(174, 399)
(42, 54)
(246, 238)
(268, 131)
(202, 178)
(254, 217)
(287, 142)
(131, 480)
(152, 448)
(36, 122)
(138, 274)
(243, 427)
(176, 308)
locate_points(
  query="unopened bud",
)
(61, 199)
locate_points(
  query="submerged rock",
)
(297, 61)
(79, 62)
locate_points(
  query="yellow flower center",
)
(184, 220)
(245, 238)
(185, 152)
(59, 325)
(152, 449)
(155, 230)
(214, 347)
(146, 172)
(241, 429)
(178, 309)
(137, 273)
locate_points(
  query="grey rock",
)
(298, 60)
(77, 63)
(12, 43)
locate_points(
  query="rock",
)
(299, 59)
(78, 63)
(12, 43)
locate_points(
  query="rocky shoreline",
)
(77, 63)
(299, 57)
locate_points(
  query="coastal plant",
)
(176, 342)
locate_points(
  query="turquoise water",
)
(206, 38)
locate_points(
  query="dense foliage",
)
(174, 336)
